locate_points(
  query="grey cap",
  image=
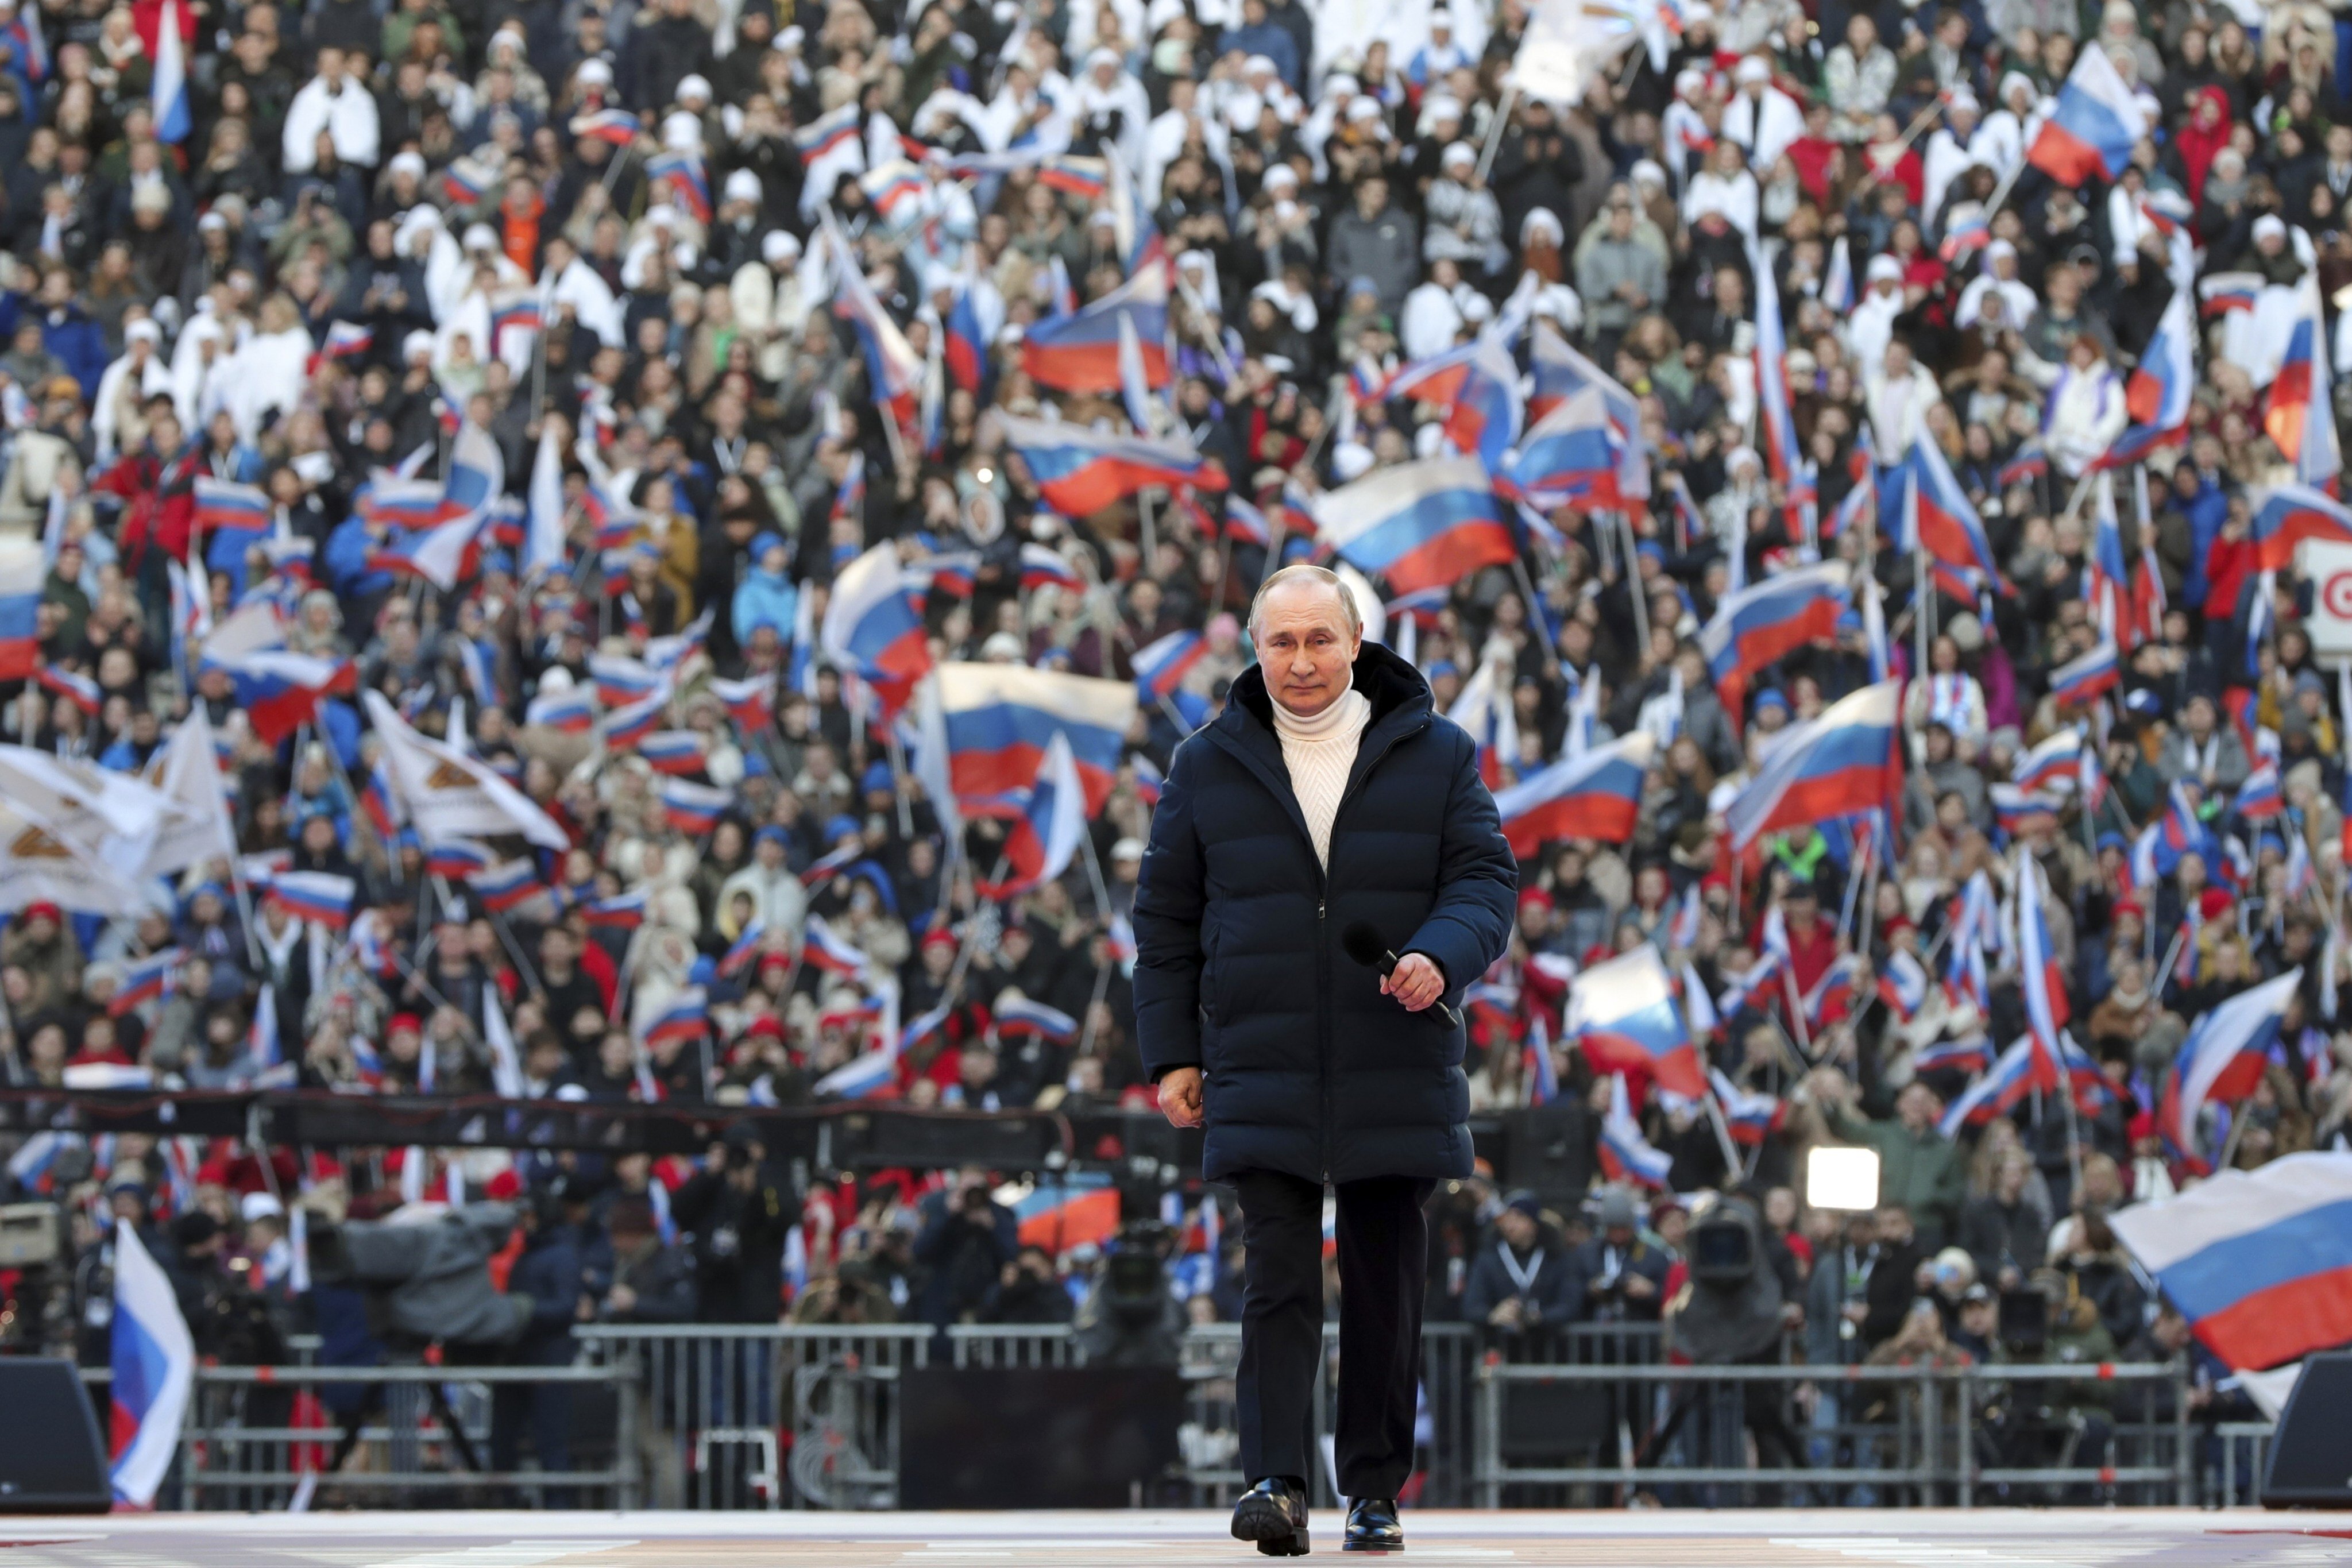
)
(1617, 1210)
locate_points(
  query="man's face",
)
(1305, 646)
(1516, 1228)
(1916, 1106)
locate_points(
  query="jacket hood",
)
(1389, 683)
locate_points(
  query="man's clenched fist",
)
(1180, 1097)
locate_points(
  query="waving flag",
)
(318, 896)
(2259, 1262)
(1080, 353)
(826, 134)
(508, 886)
(1476, 386)
(2160, 388)
(279, 692)
(1557, 374)
(1782, 456)
(894, 371)
(1020, 1015)
(1751, 1118)
(873, 626)
(1938, 517)
(1849, 760)
(2300, 414)
(169, 94)
(2092, 129)
(570, 710)
(1046, 827)
(146, 979)
(443, 556)
(2286, 515)
(622, 912)
(1758, 626)
(1903, 986)
(1595, 795)
(1001, 719)
(1970, 1056)
(2223, 1060)
(2108, 579)
(2039, 976)
(153, 1359)
(73, 685)
(683, 1018)
(450, 794)
(2051, 767)
(1999, 1090)
(1080, 470)
(1161, 665)
(2258, 799)
(1623, 1014)
(1420, 525)
(617, 127)
(2078, 682)
(1570, 457)
(826, 949)
(1626, 1154)
(694, 809)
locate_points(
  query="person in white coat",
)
(1998, 277)
(117, 420)
(335, 102)
(1899, 391)
(1761, 117)
(1110, 101)
(1724, 186)
(2086, 410)
(1958, 146)
(1871, 326)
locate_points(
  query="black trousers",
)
(1384, 1242)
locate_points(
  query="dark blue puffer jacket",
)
(1308, 1069)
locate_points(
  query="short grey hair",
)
(1302, 572)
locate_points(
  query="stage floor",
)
(1793, 1539)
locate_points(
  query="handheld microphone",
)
(1364, 945)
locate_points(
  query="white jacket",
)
(348, 116)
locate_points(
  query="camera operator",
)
(739, 1215)
(1901, 1271)
(1733, 1313)
(1523, 1282)
(653, 1280)
(1619, 1277)
(967, 1238)
(1028, 1293)
(1130, 1318)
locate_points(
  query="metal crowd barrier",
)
(1861, 1436)
(2232, 1438)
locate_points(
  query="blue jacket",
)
(1308, 1069)
(765, 599)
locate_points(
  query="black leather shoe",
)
(1372, 1526)
(1274, 1514)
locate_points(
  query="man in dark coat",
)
(1327, 795)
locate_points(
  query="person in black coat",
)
(1326, 795)
(1522, 1282)
(550, 1272)
(1619, 1277)
(739, 1217)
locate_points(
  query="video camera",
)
(427, 1282)
(1733, 1311)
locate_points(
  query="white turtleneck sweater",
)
(1319, 752)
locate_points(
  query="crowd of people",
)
(659, 270)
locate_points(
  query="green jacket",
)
(1924, 1174)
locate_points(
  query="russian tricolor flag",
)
(815, 139)
(673, 751)
(1623, 1014)
(1752, 1118)
(571, 710)
(22, 572)
(318, 896)
(1420, 525)
(694, 809)
(2160, 387)
(968, 336)
(2078, 682)
(1559, 372)
(826, 949)
(153, 1361)
(2223, 1060)
(1569, 458)
(1042, 566)
(146, 979)
(1080, 470)
(1020, 1015)
(1002, 717)
(1626, 1154)
(1938, 517)
(2096, 124)
(1903, 984)
(2012, 1077)
(1848, 760)
(690, 183)
(2259, 1262)
(1761, 625)
(169, 94)
(623, 912)
(507, 885)
(456, 859)
(618, 127)
(75, 687)
(1597, 794)
(627, 726)
(2259, 798)
(746, 947)
(1970, 1056)
(1046, 827)
(223, 504)
(683, 1018)
(1160, 666)
(874, 625)
(750, 701)
(280, 691)
(1477, 387)
(2286, 515)
(2051, 767)
(1080, 353)
(2044, 984)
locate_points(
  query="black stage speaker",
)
(1550, 1152)
(1087, 1436)
(2311, 1453)
(51, 1460)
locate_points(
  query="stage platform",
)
(1792, 1539)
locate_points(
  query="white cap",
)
(1961, 98)
(2269, 226)
(1425, 439)
(683, 256)
(779, 247)
(1242, 111)
(791, 37)
(411, 163)
(743, 185)
(1258, 63)
(1441, 105)
(416, 343)
(1102, 56)
(143, 332)
(211, 221)
(1999, 250)
(1751, 70)
(1689, 80)
(481, 237)
(1338, 82)
(1884, 267)
(661, 215)
(1648, 172)
(1361, 109)
(1478, 309)
(1458, 153)
(1281, 175)
(1350, 460)
(694, 86)
(259, 1205)
(682, 131)
(1442, 17)
(595, 73)
(1542, 219)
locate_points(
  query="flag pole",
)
(1732, 1163)
(1495, 131)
